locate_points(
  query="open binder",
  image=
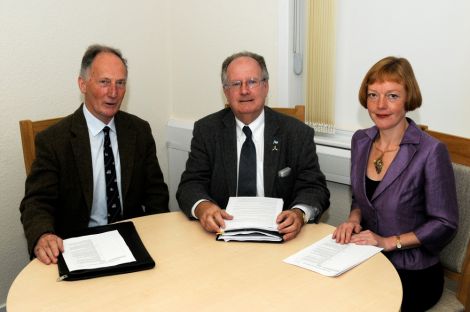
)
(127, 230)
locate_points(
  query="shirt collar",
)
(95, 125)
(254, 125)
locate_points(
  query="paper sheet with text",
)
(330, 258)
(96, 251)
(253, 212)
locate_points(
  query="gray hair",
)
(258, 58)
(92, 52)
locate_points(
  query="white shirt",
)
(257, 130)
(99, 210)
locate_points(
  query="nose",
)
(382, 103)
(244, 88)
(112, 90)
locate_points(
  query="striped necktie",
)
(113, 202)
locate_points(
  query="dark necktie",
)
(247, 166)
(112, 193)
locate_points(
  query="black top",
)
(371, 185)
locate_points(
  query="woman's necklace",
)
(378, 162)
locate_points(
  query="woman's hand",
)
(370, 238)
(345, 231)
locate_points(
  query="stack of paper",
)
(254, 219)
(330, 258)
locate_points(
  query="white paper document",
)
(253, 219)
(96, 251)
(330, 258)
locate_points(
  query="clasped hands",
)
(212, 219)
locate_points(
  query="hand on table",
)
(48, 247)
(289, 223)
(344, 232)
(370, 238)
(211, 216)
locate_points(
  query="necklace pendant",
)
(378, 164)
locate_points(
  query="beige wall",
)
(203, 35)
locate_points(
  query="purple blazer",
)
(417, 194)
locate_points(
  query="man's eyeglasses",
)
(237, 84)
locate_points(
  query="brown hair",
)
(394, 69)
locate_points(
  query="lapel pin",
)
(275, 142)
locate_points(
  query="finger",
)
(292, 228)
(285, 224)
(287, 218)
(347, 235)
(60, 244)
(358, 239)
(291, 235)
(41, 255)
(291, 224)
(50, 253)
(339, 234)
(334, 234)
(209, 224)
(219, 221)
(226, 215)
(54, 247)
(357, 228)
(282, 216)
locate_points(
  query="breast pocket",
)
(285, 183)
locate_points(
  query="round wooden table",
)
(194, 272)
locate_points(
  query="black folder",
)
(128, 232)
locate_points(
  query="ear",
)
(266, 86)
(226, 92)
(82, 85)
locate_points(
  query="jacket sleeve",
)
(38, 207)
(195, 180)
(441, 201)
(310, 183)
(156, 190)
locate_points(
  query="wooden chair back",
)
(28, 130)
(459, 147)
(297, 112)
(456, 255)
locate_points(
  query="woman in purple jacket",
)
(403, 187)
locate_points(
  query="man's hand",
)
(211, 216)
(48, 247)
(290, 222)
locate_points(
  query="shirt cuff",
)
(310, 212)
(195, 205)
